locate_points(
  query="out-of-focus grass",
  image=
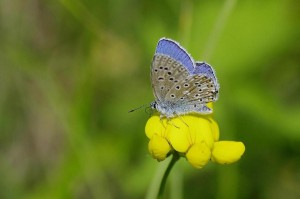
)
(70, 71)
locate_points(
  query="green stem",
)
(167, 172)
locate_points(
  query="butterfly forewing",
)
(165, 71)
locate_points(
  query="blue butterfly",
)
(180, 85)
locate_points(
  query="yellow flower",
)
(195, 137)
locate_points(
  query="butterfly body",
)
(180, 85)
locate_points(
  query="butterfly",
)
(181, 85)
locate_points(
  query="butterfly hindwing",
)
(193, 89)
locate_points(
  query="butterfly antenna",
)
(137, 108)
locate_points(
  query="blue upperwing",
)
(204, 68)
(174, 50)
(207, 70)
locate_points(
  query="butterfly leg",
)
(181, 118)
(168, 121)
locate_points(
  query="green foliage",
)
(71, 70)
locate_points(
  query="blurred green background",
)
(71, 70)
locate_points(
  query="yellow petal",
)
(226, 152)
(187, 130)
(158, 147)
(198, 155)
(155, 125)
(178, 134)
(215, 129)
(210, 105)
(201, 131)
